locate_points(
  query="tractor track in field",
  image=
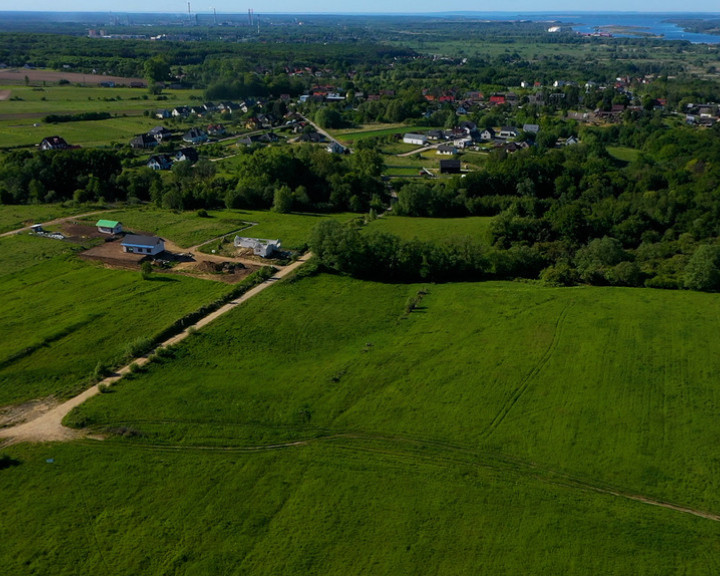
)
(530, 376)
(409, 450)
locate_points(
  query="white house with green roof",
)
(109, 226)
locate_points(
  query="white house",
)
(446, 150)
(487, 135)
(109, 226)
(508, 132)
(135, 244)
(260, 246)
(416, 139)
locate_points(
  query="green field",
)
(433, 229)
(21, 120)
(14, 217)
(500, 428)
(61, 315)
(374, 131)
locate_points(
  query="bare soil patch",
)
(76, 232)
(221, 271)
(5, 94)
(17, 76)
(16, 414)
(111, 254)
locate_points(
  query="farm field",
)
(21, 115)
(433, 229)
(610, 386)
(66, 315)
(501, 425)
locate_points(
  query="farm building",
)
(135, 244)
(417, 139)
(109, 226)
(260, 246)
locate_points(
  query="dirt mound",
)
(209, 267)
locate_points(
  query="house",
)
(314, 137)
(497, 99)
(160, 133)
(416, 139)
(163, 114)
(143, 141)
(464, 142)
(531, 128)
(435, 135)
(508, 132)
(487, 135)
(195, 136)
(335, 148)
(446, 150)
(186, 155)
(180, 112)
(159, 162)
(54, 143)
(109, 226)
(136, 244)
(260, 246)
(216, 129)
(449, 166)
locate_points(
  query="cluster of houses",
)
(166, 161)
(467, 135)
(201, 110)
(702, 114)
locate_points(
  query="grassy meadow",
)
(610, 386)
(21, 116)
(14, 217)
(321, 428)
(62, 315)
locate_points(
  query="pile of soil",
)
(220, 267)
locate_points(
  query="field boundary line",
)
(53, 222)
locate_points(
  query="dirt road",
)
(53, 222)
(47, 427)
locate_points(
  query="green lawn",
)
(491, 430)
(61, 315)
(433, 229)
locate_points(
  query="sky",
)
(360, 6)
